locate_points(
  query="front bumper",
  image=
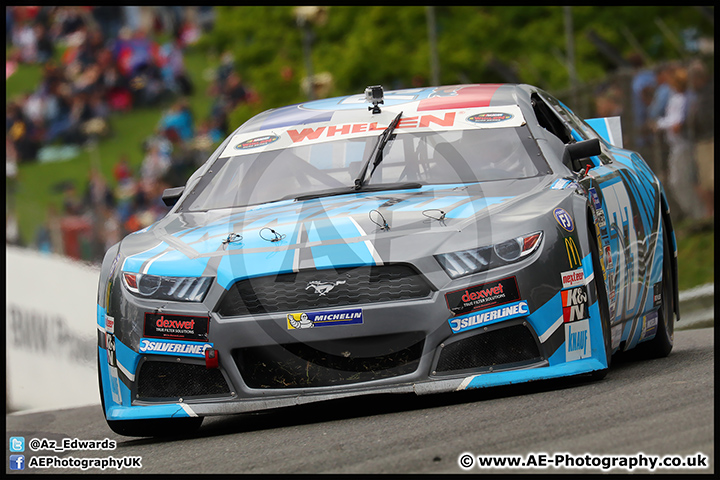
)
(428, 318)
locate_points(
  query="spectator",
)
(122, 170)
(155, 164)
(98, 193)
(44, 44)
(643, 83)
(25, 39)
(72, 205)
(662, 93)
(19, 129)
(180, 119)
(701, 126)
(682, 171)
(173, 69)
(109, 19)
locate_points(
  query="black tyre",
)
(602, 300)
(661, 345)
(155, 427)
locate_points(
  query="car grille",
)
(333, 362)
(162, 380)
(295, 291)
(511, 345)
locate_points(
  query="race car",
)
(412, 241)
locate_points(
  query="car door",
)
(625, 196)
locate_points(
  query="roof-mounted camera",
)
(374, 95)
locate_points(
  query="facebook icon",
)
(17, 462)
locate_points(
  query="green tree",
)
(388, 45)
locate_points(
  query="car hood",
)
(367, 228)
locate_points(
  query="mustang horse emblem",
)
(322, 288)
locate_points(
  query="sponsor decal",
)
(298, 321)
(490, 117)
(483, 296)
(657, 294)
(595, 199)
(616, 335)
(109, 324)
(182, 327)
(322, 288)
(649, 326)
(574, 304)
(475, 320)
(600, 219)
(573, 253)
(577, 340)
(256, 142)
(421, 121)
(110, 346)
(563, 218)
(608, 258)
(573, 278)
(560, 184)
(168, 347)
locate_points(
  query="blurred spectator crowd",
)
(669, 111)
(110, 63)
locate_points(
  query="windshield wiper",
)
(344, 191)
(377, 156)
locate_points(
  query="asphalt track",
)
(656, 407)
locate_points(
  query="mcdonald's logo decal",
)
(564, 219)
(573, 253)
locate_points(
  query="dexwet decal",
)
(483, 296)
(490, 117)
(176, 327)
(256, 142)
(475, 320)
(302, 320)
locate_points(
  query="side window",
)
(580, 130)
(549, 121)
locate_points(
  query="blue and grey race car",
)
(422, 240)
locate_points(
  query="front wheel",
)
(661, 345)
(602, 301)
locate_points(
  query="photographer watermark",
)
(466, 461)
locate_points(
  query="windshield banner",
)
(346, 125)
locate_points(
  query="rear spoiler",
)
(609, 129)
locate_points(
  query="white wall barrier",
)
(50, 331)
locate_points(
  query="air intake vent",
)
(335, 362)
(163, 380)
(317, 289)
(511, 345)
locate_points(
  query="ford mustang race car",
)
(421, 240)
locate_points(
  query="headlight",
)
(467, 262)
(183, 289)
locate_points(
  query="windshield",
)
(428, 158)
